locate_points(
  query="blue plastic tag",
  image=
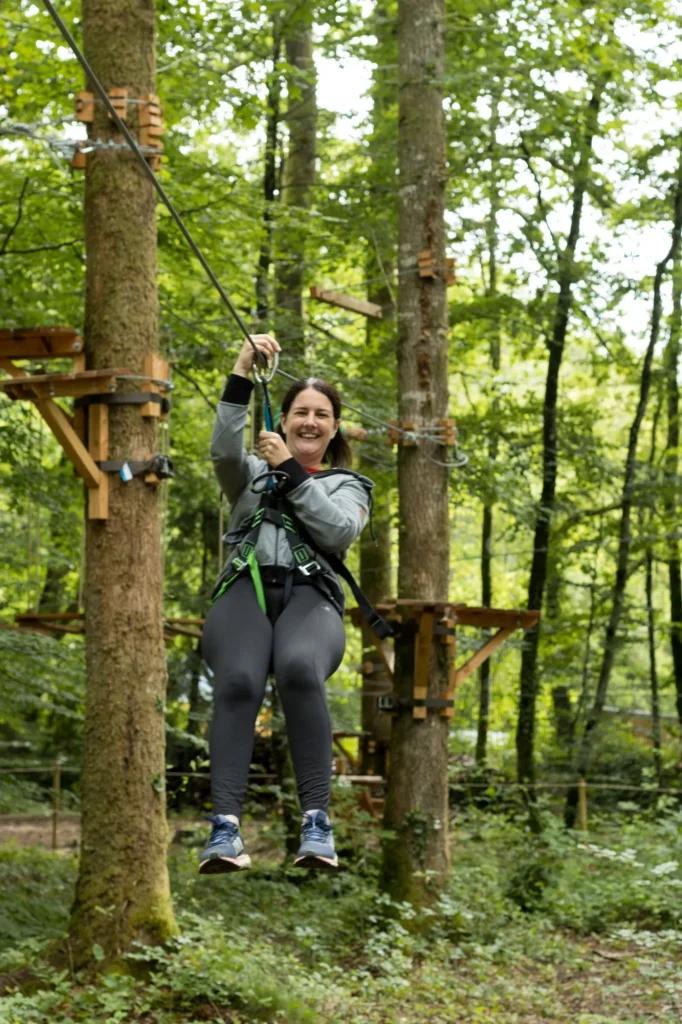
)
(126, 473)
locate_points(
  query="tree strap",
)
(391, 702)
(125, 398)
(159, 464)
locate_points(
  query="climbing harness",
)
(273, 509)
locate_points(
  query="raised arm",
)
(233, 466)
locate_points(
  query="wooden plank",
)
(40, 343)
(85, 107)
(370, 309)
(62, 385)
(422, 661)
(495, 618)
(482, 654)
(47, 616)
(448, 694)
(153, 365)
(98, 446)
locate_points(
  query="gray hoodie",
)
(332, 506)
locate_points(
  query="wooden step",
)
(40, 343)
(62, 385)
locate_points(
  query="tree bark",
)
(653, 670)
(671, 470)
(493, 443)
(298, 176)
(624, 539)
(567, 275)
(416, 860)
(269, 182)
(123, 891)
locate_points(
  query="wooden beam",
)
(98, 446)
(352, 760)
(422, 661)
(62, 385)
(59, 424)
(482, 654)
(495, 618)
(40, 343)
(370, 309)
(154, 365)
(450, 641)
(48, 616)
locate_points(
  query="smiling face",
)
(309, 426)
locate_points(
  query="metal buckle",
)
(239, 563)
(310, 567)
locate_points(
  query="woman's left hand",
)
(272, 448)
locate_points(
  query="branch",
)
(40, 248)
(541, 200)
(20, 210)
(197, 387)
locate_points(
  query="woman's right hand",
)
(247, 357)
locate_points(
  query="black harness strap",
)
(125, 398)
(270, 510)
(159, 464)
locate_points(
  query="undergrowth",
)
(512, 939)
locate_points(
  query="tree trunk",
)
(567, 275)
(123, 891)
(671, 469)
(416, 860)
(493, 444)
(269, 183)
(298, 176)
(618, 592)
(653, 671)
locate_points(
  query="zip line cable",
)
(123, 128)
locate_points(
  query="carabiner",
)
(261, 377)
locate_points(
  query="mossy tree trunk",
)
(416, 860)
(123, 891)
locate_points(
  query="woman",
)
(278, 605)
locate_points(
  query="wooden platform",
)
(49, 623)
(40, 343)
(438, 620)
(62, 385)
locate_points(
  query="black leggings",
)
(303, 644)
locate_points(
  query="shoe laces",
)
(223, 831)
(316, 827)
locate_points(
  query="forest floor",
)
(572, 927)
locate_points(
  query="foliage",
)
(517, 81)
(293, 948)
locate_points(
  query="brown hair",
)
(339, 452)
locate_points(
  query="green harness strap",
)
(254, 569)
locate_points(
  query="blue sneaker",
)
(225, 849)
(317, 843)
